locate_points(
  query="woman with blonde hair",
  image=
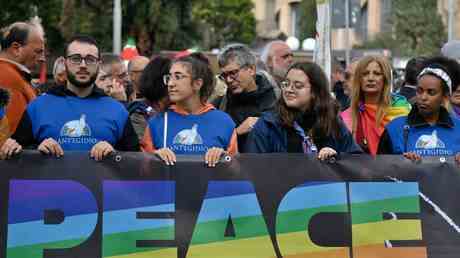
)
(373, 104)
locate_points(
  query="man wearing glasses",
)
(78, 117)
(248, 94)
(277, 57)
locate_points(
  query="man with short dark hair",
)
(248, 94)
(83, 117)
(413, 68)
(22, 53)
(338, 86)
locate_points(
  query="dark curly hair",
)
(151, 85)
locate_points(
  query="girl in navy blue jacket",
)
(306, 119)
(429, 129)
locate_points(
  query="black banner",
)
(271, 205)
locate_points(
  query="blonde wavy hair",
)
(357, 96)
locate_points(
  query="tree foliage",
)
(309, 16)
(47, 10)
(417, 29)
(156, 25)
(225, 21)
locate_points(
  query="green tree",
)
(411, 34)
(225, 21)
(48, 10)
(156, 25)
(159, 25)
(309, 16)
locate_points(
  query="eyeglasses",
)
(233, 74)
(175, 77)
(296, 85)
(77, 59)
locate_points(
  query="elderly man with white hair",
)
(277, 57)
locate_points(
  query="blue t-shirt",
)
(192, 134)
(77, 123)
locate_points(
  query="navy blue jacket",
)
(413, 134)
(269, 135)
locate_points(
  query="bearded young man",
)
(77, 117)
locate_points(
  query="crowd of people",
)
(178, 106)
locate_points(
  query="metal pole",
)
(451, 20)
(347, 32)
(117, 26)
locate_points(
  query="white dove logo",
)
(188, 136)
(76, 128)
(430, 141)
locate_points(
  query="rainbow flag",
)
(230, 222)
(367, 117)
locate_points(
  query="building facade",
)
(443, 9)
(276, 18)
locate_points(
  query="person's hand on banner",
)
(412, 156)
(50, 146)
(213, 156)
(101, 150)
(9, 148)
(166, 155)
(326, 153)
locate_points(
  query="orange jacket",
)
(21, 93)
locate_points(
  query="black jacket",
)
(250, 104)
